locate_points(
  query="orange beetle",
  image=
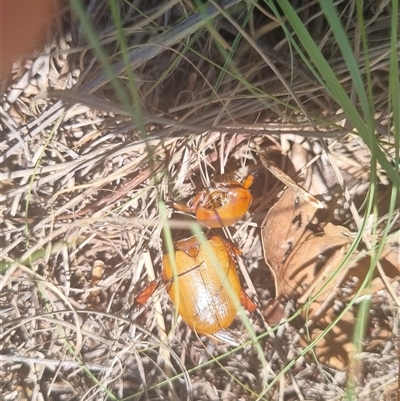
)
(199, 290)
(221, 206)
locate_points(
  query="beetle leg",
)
(199, 200)
(179, 206)
(248, 181)
(147, 292)
(191, 206)
(246, 302)
(233, 249)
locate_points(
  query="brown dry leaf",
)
(305, 265)
(300, 270)
(289, 182)
(335, 349)
(282, 228)
(355, 271)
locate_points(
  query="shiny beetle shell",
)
(221, 206)
(198, 291)
(224, 206)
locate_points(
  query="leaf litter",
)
(81, 225)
